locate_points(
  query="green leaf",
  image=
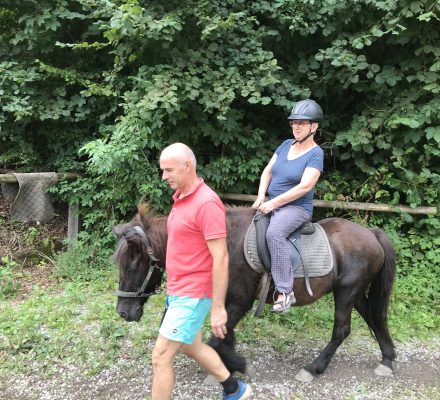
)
(433, 133)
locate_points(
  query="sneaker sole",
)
(246, 393)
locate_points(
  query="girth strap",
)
(262, 296)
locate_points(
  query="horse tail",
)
(233, 361)
(379, 292)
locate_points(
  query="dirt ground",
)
(349, 376)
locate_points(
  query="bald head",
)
(178, 164)
(180, 152)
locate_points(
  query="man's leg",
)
(163, 355)
(207, 357)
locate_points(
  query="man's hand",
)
(218, 322)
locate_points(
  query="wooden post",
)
(73, 223)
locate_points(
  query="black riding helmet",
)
(306, 109)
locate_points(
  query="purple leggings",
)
(283, 222)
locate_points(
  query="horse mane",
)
(129, 241)
(155, 228)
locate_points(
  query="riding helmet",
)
(307, 110)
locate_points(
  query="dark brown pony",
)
(363, 274)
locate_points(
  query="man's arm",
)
(219, 251)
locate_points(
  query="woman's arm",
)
(265, 178)
(308, 182)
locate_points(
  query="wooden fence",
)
(345, 205)
(73, 220)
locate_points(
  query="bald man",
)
(197, 277)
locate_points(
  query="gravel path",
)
(349, 376)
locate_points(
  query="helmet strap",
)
(305, 138)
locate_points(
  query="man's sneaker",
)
(243, 392)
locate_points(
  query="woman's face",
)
(301, 128)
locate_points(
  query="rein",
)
(154, 264)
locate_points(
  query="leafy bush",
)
(8, 276)
(82, 262)
(101, 87)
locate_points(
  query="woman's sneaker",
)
(243, 392)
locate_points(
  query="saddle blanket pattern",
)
(315, 251)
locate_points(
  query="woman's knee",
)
(275, 234)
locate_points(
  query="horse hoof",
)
(382, 370)
(210, 381)
(304, 376)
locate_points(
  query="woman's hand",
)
(267, 207)
(258, 202)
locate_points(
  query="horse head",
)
(140, 269)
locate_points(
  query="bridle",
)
(154, 264)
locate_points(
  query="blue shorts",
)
(183, 318)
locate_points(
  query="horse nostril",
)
(123, 314)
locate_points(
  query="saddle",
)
(262, 223)
(310, 256)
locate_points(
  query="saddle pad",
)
(315, 252)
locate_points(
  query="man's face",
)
(175, 172)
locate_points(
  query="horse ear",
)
(119, 229)
(143, 208)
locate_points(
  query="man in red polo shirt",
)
(197, 277)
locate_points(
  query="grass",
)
(75, 322)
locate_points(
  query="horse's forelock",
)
(129, 242)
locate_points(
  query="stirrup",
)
(284, 305)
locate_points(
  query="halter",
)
(154, 264)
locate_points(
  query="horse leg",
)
(341, 329)
(226, 347)
(379, 330)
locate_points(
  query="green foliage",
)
(100, 87)
(115, 82)
(82, 262)
(73, 323)
(8, 277)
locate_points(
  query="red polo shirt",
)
(195, 218)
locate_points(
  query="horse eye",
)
(133, 266)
